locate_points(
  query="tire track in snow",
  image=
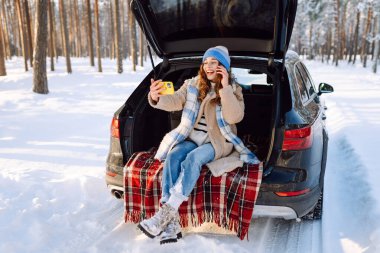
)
(349, 220)
(271, 235)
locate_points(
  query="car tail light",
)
(297, 139)
(115, 128)
(111, 174)
(292, 194)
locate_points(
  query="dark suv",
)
(284, 119)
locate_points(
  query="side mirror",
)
(325, 88)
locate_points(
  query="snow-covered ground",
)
(53, 148)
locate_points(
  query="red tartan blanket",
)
(227, 200)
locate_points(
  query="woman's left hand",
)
(224, 73)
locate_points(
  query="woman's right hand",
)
(155, 89)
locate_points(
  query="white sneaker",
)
(153, 226)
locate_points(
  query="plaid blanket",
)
(227, 200)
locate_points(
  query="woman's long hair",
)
(205, 85)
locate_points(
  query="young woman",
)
(212, 104)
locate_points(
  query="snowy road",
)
(52, 153)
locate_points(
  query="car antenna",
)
(151, 59)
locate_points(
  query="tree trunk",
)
(51, 33)
(323, 52)
(133, 39)
(98, 42)
(118, 37)
(127, 34)
(82, 16)
(55, 31)
(311, 53)
(356, 36)
(3, 71)
(89, 30)
(337, 33)
(141, 47)
(373, 36)
(122, 31)
(40, 83)
(29, 32)
(17, 32)
(7, 41)
(70, 28)
(77, 29)
(111, 25)
(377, 47)
(350, 48)
(329, 41)
(62, 50)
(364, 38)
(343, 51)
(2, 35)
(22, 35)
(65, 45)
(31, 17)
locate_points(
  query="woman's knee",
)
(201, 155)
(191, 158)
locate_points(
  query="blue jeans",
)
(182, 168)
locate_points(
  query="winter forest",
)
(335, 30)
(327, 30)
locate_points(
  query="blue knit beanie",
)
(220, 53)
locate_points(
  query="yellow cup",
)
(169, 88)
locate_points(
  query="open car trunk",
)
(150, 124)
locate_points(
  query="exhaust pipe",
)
(117, 194)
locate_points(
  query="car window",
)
(243, 77)
(306, 77)
(301, 86)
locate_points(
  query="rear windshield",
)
(252, 81)
(246, 77)
(184, 19)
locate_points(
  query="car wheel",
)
(316, 213)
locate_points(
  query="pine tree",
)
(356, 36)
(29, 31)
(118, 37)
(6, 39)
(365, 35)
(40, 83)
(65, 37)
(376, 39)
(133, 39)
(3, 71)
(98, 42)
(51, 35)
(21, 32)
(77, 28)
(89, 32)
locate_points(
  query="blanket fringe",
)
(196, 220)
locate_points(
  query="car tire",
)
(316, 213)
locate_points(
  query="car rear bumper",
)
(284, 212)
(300, 205)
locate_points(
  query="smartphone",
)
(169, 88)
